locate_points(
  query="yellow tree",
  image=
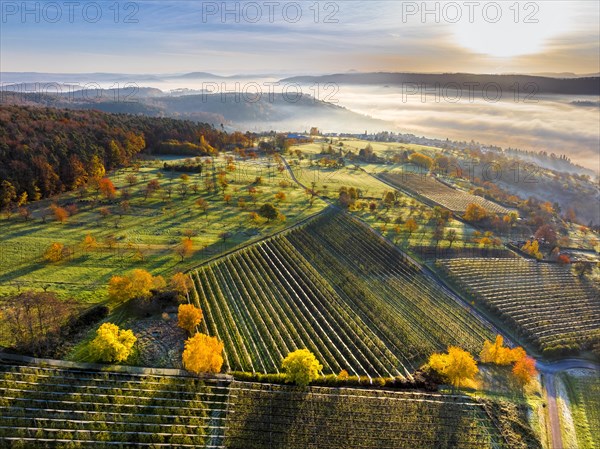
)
(499, 354)
(421, 160)
(189, 317)
(137, 284)
(89, 242)
(141, 283)
(181, 283)
(495, 352)
(119, 288)
(532, 248)
(457, 365)
(203, 354)
(343, 375)
(55, 252)
(112, 344)
(301, 367)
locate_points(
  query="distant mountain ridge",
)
(547, 85)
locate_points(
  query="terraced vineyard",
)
(51, 407)
(544, 302)
(270, 416)
(337, 289)
(43, 407)
(438, 192)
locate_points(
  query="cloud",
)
(367, 35)
(551, 124)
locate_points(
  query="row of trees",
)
(459, 367)
(140, 284)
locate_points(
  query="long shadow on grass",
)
(19, 272)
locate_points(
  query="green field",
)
(583, 390)
(387, 221)
(147, 235)
(355, 145)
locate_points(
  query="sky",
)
(305, 37)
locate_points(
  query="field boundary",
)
(243, 246)
(262, 239)
(6, 357)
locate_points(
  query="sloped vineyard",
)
(438, 192)
(337, 289)
(53, 407)
(545, 303)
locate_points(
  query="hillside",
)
(46, 151)
(334, 287)
(250, 109)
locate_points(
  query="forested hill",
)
(45, 151)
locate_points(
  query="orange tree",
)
(137, 284)
(524, 370)
(474, 212)
(181, 284)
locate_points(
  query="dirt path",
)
(549, 371)
(552, 411)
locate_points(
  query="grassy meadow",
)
(148, 234)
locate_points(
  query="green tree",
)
(268, 211)
(301, 367)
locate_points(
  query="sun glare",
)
(518, 31)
